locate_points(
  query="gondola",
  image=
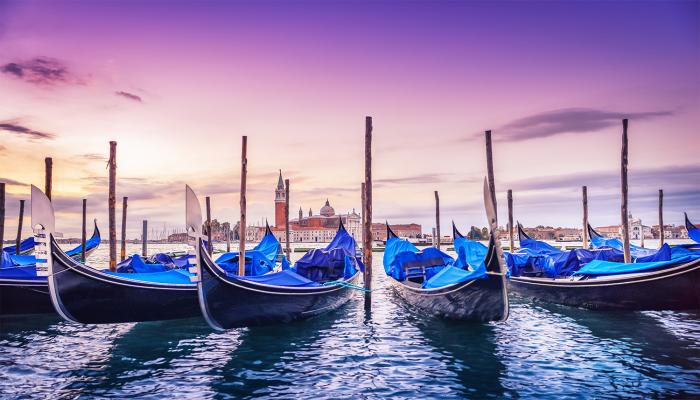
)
(86, 295)
(26, 246)
(432, 282)
(663, 280)
(321, 281)
(22, 291)
(693, 231)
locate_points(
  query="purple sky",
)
(178, 83)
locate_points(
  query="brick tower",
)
(280, 203)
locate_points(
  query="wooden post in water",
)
(623, 208)
(489, 168)
(244, 174)
(83, 236)
(661, 217)
(228, 239)
(511, 240)
(210, 245)
(367, 208)
(124, 205)
(362, 211)
(437, 220)
(2, 215)
(144, 238)
(112, 204)
(48, 161)
(286, 219)
(585, 238)
(19, 227)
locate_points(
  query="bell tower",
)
(280, 203)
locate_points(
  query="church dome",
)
(327, 210)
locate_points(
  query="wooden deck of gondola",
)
(86, 295)
(228, 302)
(675, 288)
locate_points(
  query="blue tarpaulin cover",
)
(399, 252)
(599, 267)
(177, 276)
(282, 278)
(24, 245)
(614, 243)
(258, 261)
(25, 273)
(469, 253)
(335, 261)
(158, 262)
(440, 269)
(450, 275)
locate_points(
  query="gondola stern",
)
(455, 232)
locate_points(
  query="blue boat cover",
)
(600, 267)
(176, 276)
(282, 278)
(540, 258)
(398, 252)
(258, 261)
(614, 243)
(450, 275)
(6, 260)
(24, 273)
(24, 246)
(470, 253)
(158, 262)
(335, 261)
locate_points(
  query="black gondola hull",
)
(19, 296)
(480, 300)
(85, 295)
(24, 297)
(676, 288)
(228, 302)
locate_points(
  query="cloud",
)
(567, 120)
(16, 128)
(41, 71)
(94, 157)
(129, 96)
(423, 179)
(3, 147)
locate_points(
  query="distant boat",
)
(22, 291)
(693, 231)
(471, 288)
(663, 279)
(26, 246)
(322, 280)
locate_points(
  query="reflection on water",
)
(541, 351)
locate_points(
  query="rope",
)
(348, 285)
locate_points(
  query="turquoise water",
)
(390, 351)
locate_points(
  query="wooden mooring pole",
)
(18, 241)
(144, 238)
(2, 215)
(228, 239)
(83, 236)
(437, 220)
(661, 218)
(288, 249)
(48, 176)
(367, 210)
(210, 245)
(244, 174)
(112, 205)
(125, 200)
(362, 211)
(511, 240)
(623, 208)
(489, 168)
(584, 236)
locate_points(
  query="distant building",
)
(670, 232)
(312, 228)
(637, 230)
(401, 230)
